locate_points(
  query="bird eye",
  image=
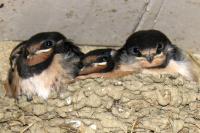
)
(136, 51)
(159, 48)
(48, 43)
(158, 51)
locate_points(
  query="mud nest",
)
(136, 103)
(133, 104)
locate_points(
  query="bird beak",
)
(42, 51)
(149, 58)
(31, 54)
(100, 64)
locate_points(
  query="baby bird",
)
(149, 51)
(41, 64)
(152, 52)
(98, 61)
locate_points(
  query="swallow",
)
(98, 61)
(149, 51)
(41, 64)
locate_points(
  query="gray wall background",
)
(101, 22)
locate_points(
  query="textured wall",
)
(104, 22)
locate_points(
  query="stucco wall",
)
(101, 22)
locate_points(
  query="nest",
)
(135, 103)
(132, 104)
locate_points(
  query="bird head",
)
(36, 54)
(149, 47)
(41, 47)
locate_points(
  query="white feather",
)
(35, 85)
